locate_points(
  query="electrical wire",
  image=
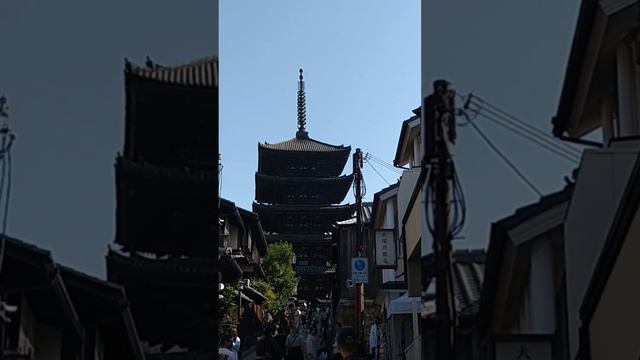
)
(504, 158)
(518, 126)
(571, 158)
(377, 172)
(522, 123)
(383, 163)
(546, 143)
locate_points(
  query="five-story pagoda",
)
(298, 185)
(166, 183)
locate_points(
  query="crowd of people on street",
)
(303, 332)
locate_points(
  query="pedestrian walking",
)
(225, 352)
(348, 344)
(336, 329)
(373, 339)
(235, 341)
(311, 344)
(274, 348)
(295, 342)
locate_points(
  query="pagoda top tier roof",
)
(202, 72)
(302, 144)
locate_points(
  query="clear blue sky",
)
(514, 54)
(362, 65)
(61, 67)
(361, 62)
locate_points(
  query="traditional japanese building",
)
(298, 189)
(166, 181)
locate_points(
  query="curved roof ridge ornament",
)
(302, 110)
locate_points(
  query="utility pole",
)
(5, 308)
(439, 126)
(359, 298)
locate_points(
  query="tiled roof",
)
(367, 208)
(305, 145)
(139, 263)
(310, 269)
(301, 209)
(203, 72)
(468, 277)
(153, 172)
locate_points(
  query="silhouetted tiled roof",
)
(309, 145)
(367, 208)
(203, 72)
(310, 269)
(468, 277)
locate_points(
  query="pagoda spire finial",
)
(302, 110)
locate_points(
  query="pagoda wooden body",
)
(298, 191)
(166, 183)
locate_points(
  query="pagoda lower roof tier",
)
(301, 238)
(302, 190)
(309, 270)
(302, 158)
(167, 181)
(169, 316)
(179, 272)
(314, 287)
(301, 219)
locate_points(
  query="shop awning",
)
(404, 305)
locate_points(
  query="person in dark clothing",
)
(294, 344)
(281, 338)
(347, 344)
(262, 350)
(274, 348)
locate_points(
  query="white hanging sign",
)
(385, 249)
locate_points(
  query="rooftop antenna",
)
(302, 110)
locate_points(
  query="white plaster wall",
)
(603, 177)
(541, 293)
(233, 237)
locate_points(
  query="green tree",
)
(225, 304)
(280, 281)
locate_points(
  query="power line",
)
(557, 152)
(547, 139)
(377, 172)
(522, 122)
(506, 160)
(519, 127)
(383, 163)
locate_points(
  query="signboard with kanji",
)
(385, 249)
(523, 347)
(359, 270)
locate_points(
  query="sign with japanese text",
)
(523, 347)
(385, 249)
(359, 270)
